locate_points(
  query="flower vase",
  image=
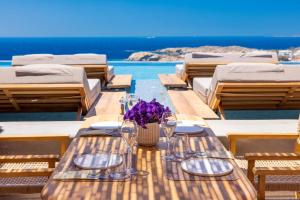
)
(148, 136)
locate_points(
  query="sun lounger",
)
(95, 65)
(200, 64)
(244, 86)
(50, 89)
(270, 171)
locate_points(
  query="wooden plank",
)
(108, 104)
(120, 81)
(172, 81)
(187, 102)
(156, 185)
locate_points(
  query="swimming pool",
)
(145, 80)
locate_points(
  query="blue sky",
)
(47, 18)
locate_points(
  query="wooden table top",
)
(157, 185)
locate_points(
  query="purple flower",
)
(146, 112)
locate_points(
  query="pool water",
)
(145, 81)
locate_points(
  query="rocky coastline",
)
(177, 54)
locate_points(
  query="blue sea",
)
(121, 47)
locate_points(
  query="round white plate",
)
(188, 128)
(106, 125)
(98, 161)
(207, 166)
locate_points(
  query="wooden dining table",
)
(165, 180)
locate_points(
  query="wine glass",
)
(180, 147)
(120, 173)
(132, 99)
(129, 135)
(168, 124)
(122, 102)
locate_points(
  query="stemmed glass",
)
(129, 135)
(123, 102)
(132, 99)
(168, 124)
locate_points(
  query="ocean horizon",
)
(119, 48)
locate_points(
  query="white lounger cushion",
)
(110, 72)
(224, 58)
(76, 59)
(43, 69)
(254, 67)
(202, 87)
(180, 69)
(94, 89)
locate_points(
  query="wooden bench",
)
(187, 102)
(172, 81)
(120, 82)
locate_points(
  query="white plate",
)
(188, 128)
(98, 161)
(207, 166)
(106, 125)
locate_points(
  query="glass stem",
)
(129, 160)
(187, 144)
(168, 147)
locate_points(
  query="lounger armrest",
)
(46, 137)
(28, 158)
(62, 138)
(272, 156)
(276, 170)
(234, 137)
(8, 173)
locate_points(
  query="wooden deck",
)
(172, 81)
(120, 82)
(108, 104)
(187, 102)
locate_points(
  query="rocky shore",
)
(177, 54)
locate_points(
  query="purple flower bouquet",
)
(148, 116)
(144, 112)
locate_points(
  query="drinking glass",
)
(120, 172)
(180, 147)
(129, 135)
(168, 124)
(123, 102)
(132, 99)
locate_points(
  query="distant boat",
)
(150, 37)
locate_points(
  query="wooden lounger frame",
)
(245, 96)
(193, 70)
(43, 98)
(92, 71)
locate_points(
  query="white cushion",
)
(202, 86)
(254, 67)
